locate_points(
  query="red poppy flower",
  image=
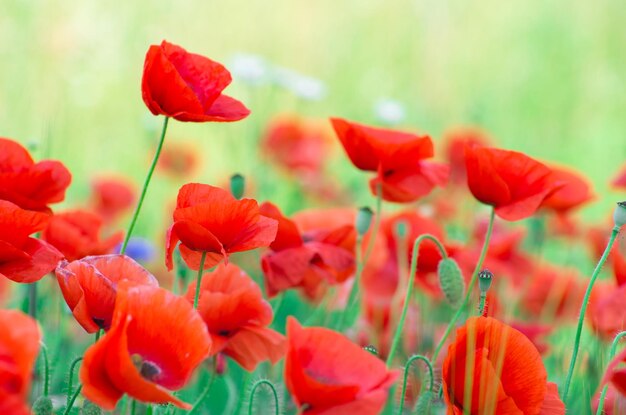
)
(327, 374)
(187, 87)
(89, 286)
(298, 145)
(614, 402)
(397, 157)
(30, 185)
(154, 344)
(24, 259)
(76, 233)
(112, 197)
(508, 376)
(236, 315)
(456, 141)
(553, 292)
(19, 347)
(513, 183)
(307, 259)
(179, 159)
(615, 375)
(619, 182)
(606, 310)
(574, 191)
(209, 219)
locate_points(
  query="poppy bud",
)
(451, 280)
(424, 403)
(237, 185)
(90, 408)
(43, 406)
(485, 277)
(363, 220)
(619, 216)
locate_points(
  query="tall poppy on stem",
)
(398, 158)
(210, 222)
(327, 374)
(155, 342)
(20, 337)
(513, 183)
(505, 372)
(187, 87)
(236, 315)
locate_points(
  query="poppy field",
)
(320, 209)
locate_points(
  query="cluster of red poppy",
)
(155, 339)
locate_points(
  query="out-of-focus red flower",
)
(76, 233)
(19, 347)
(619, 182)
(507, 374)
(574, 191)
(209, 219)
(398, 158)
(513, 183)
(614, 402)
(536, 333)
(112, 197)
(24, 259)
(456, 141)
(187, 87)
(615, 375)
(327, 374)
(154, 344)
(308, 260)
(89, 286)
(300, 146)
(179, 159)
(607, 310)
(30, 185)
(237, 317)
(553, 292)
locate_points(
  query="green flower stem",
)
(46, 370)
(377, 219)
(98, 335)
(409, 290)
(199, 280)
(70, 379)
(206, 390)
(470, 288)
(133, 407)
(269, 385)
(611, 356)
(481, 303)
(32, 300)
(583, 309)
(70, 403)
(354, 291)
(407, 367)
(145, 186)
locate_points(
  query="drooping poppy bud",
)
(451, 280)
(237, 185)
(43, 406)
(363, 220)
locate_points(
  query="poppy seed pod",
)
(619, 215)
(363, 220)
(485, 278)
(237, 185)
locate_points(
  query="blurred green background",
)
(546, 78)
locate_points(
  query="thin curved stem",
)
(409, 290)
(199, 280)
(70, 379)
(377, 219)
(46, 369)
(583, 310)
(470, 288)
(70, 403)
(271, 386)
(407, 366)
(611, 356)
(145, 187)
(206, 390)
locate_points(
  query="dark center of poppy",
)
(224, 333)
(99, 322)
(148, 370)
